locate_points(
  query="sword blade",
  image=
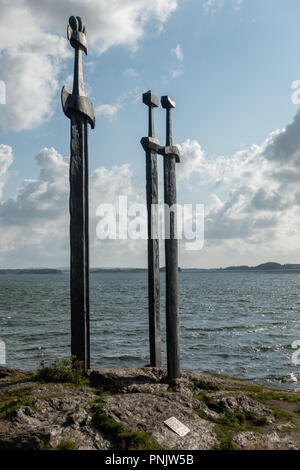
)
(79, 240)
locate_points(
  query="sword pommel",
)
(167, 103)
(77, 34)
(149, 99)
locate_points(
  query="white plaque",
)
(177, 426)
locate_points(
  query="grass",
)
(3, 374)
(281, 415)
(229, 422)
(63, 445)
(249, 388)
(225, 440)
(203, 385)
(103, 393)
(63, 371)
(269, 395)
(10, 403)
(211, 403)
(126, 439)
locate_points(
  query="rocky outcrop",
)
(126, 409)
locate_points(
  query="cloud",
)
(211, 6)
(107, 110)
(34, 47)
(252, 206)
(6, 159)
(130, 72)
(177, 51)
(177, 68)
(254, 195)
(35, 223)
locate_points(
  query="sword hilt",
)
(150, 100)
(169, 149)
(168, 104)
(77, 101)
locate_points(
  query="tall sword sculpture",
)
(171, 157)
(79, 109)
(151, 146)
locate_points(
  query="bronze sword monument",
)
(171, 157)
(151, 147)
(79, 109)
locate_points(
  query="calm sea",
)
(241, 324)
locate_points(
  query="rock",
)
(269, 441)
(147, 413)
(35, 415)
(53, 420)
(244, 404)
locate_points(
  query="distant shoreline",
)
(266, 267)
(31, 271)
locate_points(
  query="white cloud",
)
(255, 199)
(107, 110)
(34, 46)
(35, 223)
(211, 6)
(177, 69)
(6, 159)
(252, 214)
(177, 51)
(130, 72)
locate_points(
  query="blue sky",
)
(229, 66)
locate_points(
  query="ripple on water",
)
(238, 325)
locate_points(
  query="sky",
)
(230, 65)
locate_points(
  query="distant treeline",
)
(30, 271)
(260, 267)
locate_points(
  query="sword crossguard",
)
(170, 151)
(76, 33)
(150, 143)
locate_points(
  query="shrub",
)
(63, 371)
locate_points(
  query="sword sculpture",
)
(171, 157)
(151, 146)
(79, 109)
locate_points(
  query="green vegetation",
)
(126, 439)
(229, 422)
(63, 371)
(15, 376)
(63, 445)
(102, 393)
(225, 440)
(10, 403)
(248, 388)
(203, 385)
(211, 403)
(281, 415)
(3, 373)
(270, 395)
